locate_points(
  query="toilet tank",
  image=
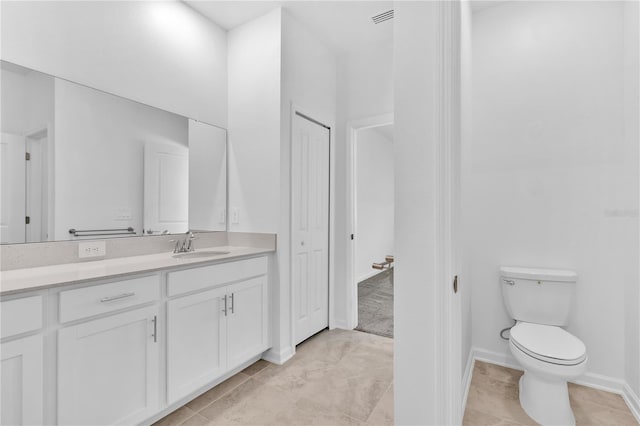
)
(541, 296)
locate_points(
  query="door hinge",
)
(27, 220)
(27, 156)
(455, 284)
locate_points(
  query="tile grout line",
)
(221, 395)
(378, 403)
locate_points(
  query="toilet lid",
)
(548, 343)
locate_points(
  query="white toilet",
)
(540, 300)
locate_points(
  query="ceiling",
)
(344, 26)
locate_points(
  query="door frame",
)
(326, 122)
(352, 280)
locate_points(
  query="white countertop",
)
(20, 280)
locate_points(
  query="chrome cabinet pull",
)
(225, 305)
(155, 328)
(117, 297)
(233, 303)
(510, 282)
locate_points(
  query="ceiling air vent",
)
(381, 17)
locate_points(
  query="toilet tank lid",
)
(539, 274)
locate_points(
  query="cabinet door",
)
(196, 332)
(22, 382)
(108, 370)
(247, 331)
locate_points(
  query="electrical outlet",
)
(123, 215)
(235, 215)
(92, 249)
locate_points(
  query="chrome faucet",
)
(185, 245)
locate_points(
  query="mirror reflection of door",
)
(12, 173)
(166, 188)
(37, 177)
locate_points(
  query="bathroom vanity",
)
(127, 340)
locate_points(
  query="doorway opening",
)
(371, 202)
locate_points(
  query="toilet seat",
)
(548, 343)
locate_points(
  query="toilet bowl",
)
(550, 356)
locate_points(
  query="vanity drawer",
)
(21, 315)
(209, 276)
(100, 299)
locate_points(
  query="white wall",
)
(365, 89)
(632, 136)
(415, 307)
(374, 200)
(551, 181)
(161, 53)
(99, 152)
(254, 123)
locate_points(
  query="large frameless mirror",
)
(78, 163)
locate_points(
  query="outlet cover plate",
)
(92, 249)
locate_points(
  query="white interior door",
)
(166, 188)
(12, 187)
(310, 226)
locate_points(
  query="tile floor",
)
(493, 400)
(341, 377)
(337, 377)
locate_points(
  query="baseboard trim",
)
(279, 358)
(592, 380)
(369, 275)
(340, 324)
(466, 379)
(632, 400)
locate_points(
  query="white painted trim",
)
(466, 379)
(447, 132)
(592, 380)
(632, 400)
(352, 280)
(504, 360)
(332, 190)
(342, 324)
(368, 275)
(279, 358)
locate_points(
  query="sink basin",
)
(199, 253)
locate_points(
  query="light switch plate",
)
(92, 249)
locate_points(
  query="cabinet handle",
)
(119, 296)
(233, 303)
(225, 305)
(155, 328)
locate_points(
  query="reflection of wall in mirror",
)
(207, 177)
(27, 116)
(99, 156)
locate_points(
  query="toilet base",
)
(546, 400)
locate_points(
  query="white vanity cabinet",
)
(108, 368)
(129, 349)
(247, 320)
(22, 362)
(214, 331)
(196, 335)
